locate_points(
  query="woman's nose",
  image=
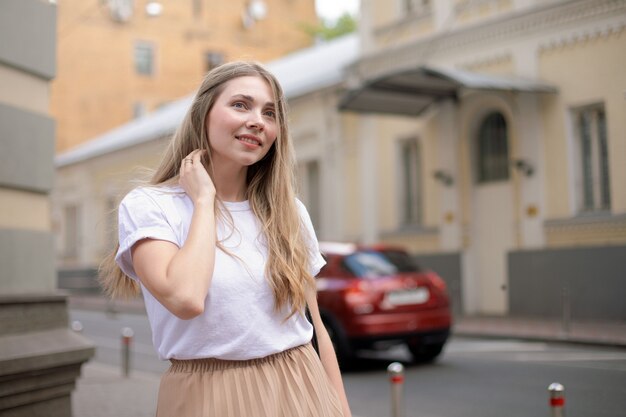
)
(255, 121)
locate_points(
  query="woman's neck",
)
(230, 182)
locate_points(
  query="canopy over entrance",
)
(410, 92)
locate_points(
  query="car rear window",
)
(377, 263)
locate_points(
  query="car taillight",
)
(438, 283)
(358, 298)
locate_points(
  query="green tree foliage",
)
(328, 30)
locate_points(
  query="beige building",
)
(503, 152)
(487, 136)
(120, 59)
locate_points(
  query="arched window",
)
(492, 149)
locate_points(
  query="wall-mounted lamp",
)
(444, 177)
(523, 166)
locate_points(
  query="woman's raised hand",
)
(194, 178)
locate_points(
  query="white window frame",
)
(592, 185)
(148, 46)
(413, 7)
(480, 159)
(411, 181)
(213, 59)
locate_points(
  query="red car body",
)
(374, 296)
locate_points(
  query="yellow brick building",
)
(119, 59)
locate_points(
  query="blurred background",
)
(485, 137)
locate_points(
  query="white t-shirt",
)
(239, 321)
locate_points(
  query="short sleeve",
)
(316, 260)
(140, 217)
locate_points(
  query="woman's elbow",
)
(188, 309)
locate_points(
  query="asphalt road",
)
(473, 378)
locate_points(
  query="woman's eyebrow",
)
(251, 99)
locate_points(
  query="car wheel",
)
(425, 353)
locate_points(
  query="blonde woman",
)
(225, 256)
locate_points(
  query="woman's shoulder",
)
(157, 194)
(305, 217)
(302, 210)
(300, 205)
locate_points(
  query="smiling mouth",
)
(248, 139)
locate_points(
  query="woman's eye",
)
(270, 113)
(239, 105)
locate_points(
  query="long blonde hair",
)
(270, 190)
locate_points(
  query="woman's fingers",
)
(197, 155)
(194, 178)
(189, 160)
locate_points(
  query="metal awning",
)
(410, 92)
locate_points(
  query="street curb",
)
(535, 338)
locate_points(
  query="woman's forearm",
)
(190, 271)
(328, 358)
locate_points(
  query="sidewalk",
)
(102, 391)
(587, 332)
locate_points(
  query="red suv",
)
(375, 296)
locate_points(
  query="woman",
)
(225, 256)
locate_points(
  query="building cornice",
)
(505, 28)
(404, 23)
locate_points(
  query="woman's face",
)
(241, 125)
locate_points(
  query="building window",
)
(415, 6)
(139, 109)
(309, 189)
(213, 60)
(411, 181)
(111, 216)
(197, 8)
(144, 58)
(313, 191)
(492, 149)
(71, 231)
(593, 159)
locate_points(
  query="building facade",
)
(503, 151)
(120, 59)
(482, 135)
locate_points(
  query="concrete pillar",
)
(40, 356)
(443, 13)
(532, 203)
(368, 168)
(448, 144)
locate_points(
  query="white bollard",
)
(396, 378)
(127, 339)
(557, 399)
(77, 326)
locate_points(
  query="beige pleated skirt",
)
(288, 384)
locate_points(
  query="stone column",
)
(40, 358)
(368, 170)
